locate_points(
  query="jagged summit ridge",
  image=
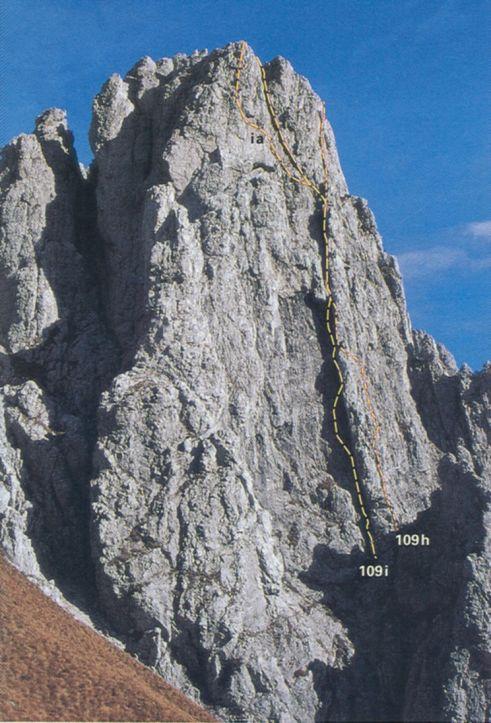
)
(168, 389)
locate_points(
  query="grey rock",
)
(167, 389)
(55, 354)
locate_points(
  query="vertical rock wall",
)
(165, 345)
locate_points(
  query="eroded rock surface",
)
(168, 386)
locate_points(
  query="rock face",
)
(167, 391)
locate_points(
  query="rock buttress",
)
(226, 530)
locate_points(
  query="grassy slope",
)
(55, 668)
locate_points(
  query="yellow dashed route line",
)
(331, 312)
(348, 353)
(375, 435)
(255, 126)
(281, 138)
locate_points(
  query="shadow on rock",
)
(403, 626)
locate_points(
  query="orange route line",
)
(331, 311)
(257, 127)
(375, 435)
(355, 358)
(281, 138)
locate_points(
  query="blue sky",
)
(407, 87)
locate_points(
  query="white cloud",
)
(455, 250)
(479, 229)
(436, 259)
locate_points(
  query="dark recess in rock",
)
(168, 458)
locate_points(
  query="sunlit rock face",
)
(167, 442)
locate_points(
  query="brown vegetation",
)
(55, 668)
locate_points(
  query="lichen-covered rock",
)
(184, 279)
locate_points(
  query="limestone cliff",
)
(171, 361)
